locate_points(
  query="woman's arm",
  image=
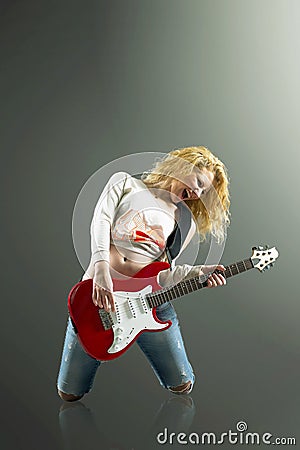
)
(103, 287)
(178, 273)
(100, 240)
(104, 215)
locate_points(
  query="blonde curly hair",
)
(211, 210)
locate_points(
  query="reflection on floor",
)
(81, 430)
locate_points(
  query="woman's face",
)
(191, 187)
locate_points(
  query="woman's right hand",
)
(103, 287)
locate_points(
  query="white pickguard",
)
(131, 317)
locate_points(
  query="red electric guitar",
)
(107, 335)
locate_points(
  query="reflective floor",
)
(81, 427)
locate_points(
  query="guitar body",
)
(106, 336)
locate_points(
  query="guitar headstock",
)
(265, 255)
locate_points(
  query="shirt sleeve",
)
(169, 277)
(104, 215)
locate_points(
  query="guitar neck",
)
(194, 284)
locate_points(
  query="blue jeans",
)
(164, 350)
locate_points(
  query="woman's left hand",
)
(215, 279)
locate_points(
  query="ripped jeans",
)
(164, 350)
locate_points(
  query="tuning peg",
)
(266, 247)
(260, 247)
(254, 248)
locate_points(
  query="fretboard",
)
(194, 284)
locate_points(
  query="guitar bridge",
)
(106, 319)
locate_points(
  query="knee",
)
(68, 397)
(184, 388)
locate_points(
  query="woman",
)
(132, 221)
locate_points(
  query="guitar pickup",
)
(131, 308)
(106, 319)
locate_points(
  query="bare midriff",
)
(123, 263)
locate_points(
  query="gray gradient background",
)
(83, 83)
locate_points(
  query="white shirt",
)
(133, 217)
